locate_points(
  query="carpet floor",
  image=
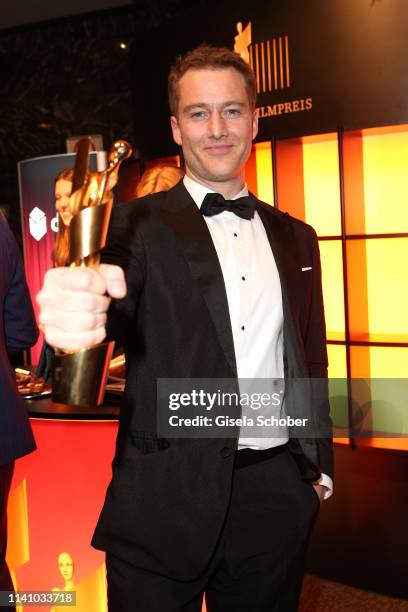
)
(319, 595)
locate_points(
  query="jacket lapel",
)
(283, 244)
(196, 243)
(297, 390)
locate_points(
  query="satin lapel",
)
(283, 244)
(195, 240)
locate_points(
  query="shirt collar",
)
(198, 191)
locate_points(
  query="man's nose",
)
(217, 126)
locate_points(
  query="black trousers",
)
(259, 560)
(6, 475)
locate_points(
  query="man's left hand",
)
(320, 491)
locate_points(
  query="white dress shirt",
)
(254, 300)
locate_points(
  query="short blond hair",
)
(207, 57)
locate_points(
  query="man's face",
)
(214, 125)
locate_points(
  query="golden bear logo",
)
(269, 59)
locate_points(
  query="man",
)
(205, 293)
(18, 331)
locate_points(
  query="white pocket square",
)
(306, 269)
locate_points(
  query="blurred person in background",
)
(63, 187)
(18, 331)
(160, 178)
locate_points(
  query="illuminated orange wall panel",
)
(353, 180)
(337, 361)
(379, 361)
(251, 177)
(385, 166)
(378, 289)
(332, 277)
(321, 184)
(338, 403)
(263, 156)
(387, 282)
(258, 172)
(374, 172)
(289, 179)
(357, 289)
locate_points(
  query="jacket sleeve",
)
(124, 248)
(20, 327)
(316, 352)
(315, 340)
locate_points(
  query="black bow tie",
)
(215, 203)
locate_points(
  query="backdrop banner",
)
(39, 221)
(319, 65)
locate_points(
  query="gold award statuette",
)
(79, 377)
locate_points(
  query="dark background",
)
(349, 56)
(69, 75)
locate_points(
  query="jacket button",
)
(225, 452)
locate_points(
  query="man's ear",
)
(176, 130)
(255, 123)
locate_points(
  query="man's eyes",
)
(232, 112)
(229, 113)
(198, 114)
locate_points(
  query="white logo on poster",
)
(38, 223)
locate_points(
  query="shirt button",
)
(236, 235)
(243, 277)
(225, 452)
(242, 327)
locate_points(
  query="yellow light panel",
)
(338, 401)
(386, 400)
(263, 154)
(379, 361)
(337, 361)
(321, 184)
(378, 289)
(385, 162)
(388, 362)
(387, 283)
(332, 277)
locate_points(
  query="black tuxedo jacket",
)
(167, 501)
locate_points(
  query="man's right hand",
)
(73, 304)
